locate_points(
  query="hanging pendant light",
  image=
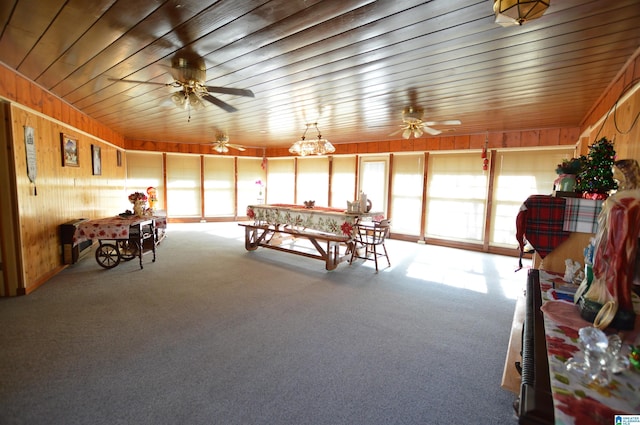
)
(517, 12)
(318, 146)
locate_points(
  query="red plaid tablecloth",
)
(541, 221)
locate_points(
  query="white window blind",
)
(144, 170)
(313, 180)
(219, 190)
(249, 172)
(281, 178)
(183, 185)
(343, 181)
(518, 175)
(406, 202)
(457, 191)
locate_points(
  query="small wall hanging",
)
(96, 160)
(30, 149)
(69, 147)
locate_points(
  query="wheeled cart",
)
(111, 251)
(119, 238)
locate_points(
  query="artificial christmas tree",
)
(596, 178)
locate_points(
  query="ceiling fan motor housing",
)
(190, 68)
(412, 115)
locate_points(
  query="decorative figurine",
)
(151, 191)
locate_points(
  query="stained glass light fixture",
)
(517, 12)
(319, 146)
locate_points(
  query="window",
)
(219, 190)
(456, 197)
(343, 181)
(374, 182)
(145, 170)
(249, 171)
(313, 180)
(183, 185)
(281, 179)
(406, 202)
(518, 175)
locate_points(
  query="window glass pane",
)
(183, 185)
(313, 180)
(518, 175)
(219, 190)
(343, 181)
(456, 197)
(406, 201)
(281, 179)
(374, 181)
(145, 170)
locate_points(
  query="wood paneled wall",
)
(16, 88)
(60, 194)
(514, 139)
(621, 124)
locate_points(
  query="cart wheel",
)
(128, 249)
(107, 255)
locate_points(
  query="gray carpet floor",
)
(213, 334)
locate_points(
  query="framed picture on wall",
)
(69, 148)
(96, 160)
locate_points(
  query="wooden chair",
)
(369, 237)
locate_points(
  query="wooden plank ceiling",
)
(349, 65)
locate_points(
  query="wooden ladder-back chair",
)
(369, 237)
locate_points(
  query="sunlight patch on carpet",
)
(445, 276)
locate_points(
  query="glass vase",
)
(138, 208)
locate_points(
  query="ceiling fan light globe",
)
(417, 132)
(195, 101)
(179, 99)
(407, 133)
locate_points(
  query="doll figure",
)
(151, 192)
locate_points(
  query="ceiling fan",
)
(189, 75)
(412, 123)
(222, 144)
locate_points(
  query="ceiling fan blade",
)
(431, 131)
(238, 147)
(447, 122)
(402, 128)
(230, 90)
(220, 103)
(140, 82)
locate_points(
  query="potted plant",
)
(567, 172)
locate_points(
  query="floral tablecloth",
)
(576, 403)
(112, 227)
(322, 219)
